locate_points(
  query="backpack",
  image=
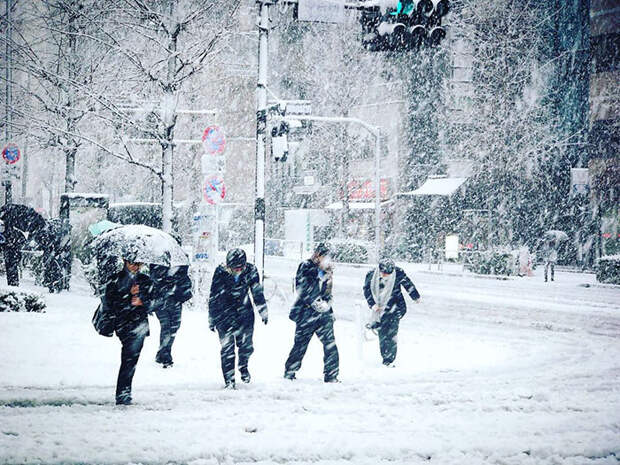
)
(103, 319)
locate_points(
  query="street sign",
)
(294, 107)
(326, 11)
(11, 153)
(214, 190)
(213, 140)
(203, 228)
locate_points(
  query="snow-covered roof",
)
(356, 205)
(438, 186)
(134, 204)
(85, 195)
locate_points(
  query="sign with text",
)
(365, 189)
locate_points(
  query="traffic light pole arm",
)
(347, 5)
(376, 132)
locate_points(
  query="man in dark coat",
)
(312, 313)
(232, 314)
(171, 288)
(128, 296)
(382, 289)
(57, 255)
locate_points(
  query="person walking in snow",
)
(550, 256)
(382, 290)
(171, 288)
(313, 314)
(232, 314)
(128, 297)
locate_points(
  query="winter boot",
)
(290, 375)
(230, 385)
(245, 375)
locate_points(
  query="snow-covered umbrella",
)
(555, 235)
(149, 245)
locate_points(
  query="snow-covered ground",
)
(488, 372)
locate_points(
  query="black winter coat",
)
(309, 288)
(118, 300)
(396, 305)
(171, 283)
(229, 299)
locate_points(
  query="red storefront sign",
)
(365, 189)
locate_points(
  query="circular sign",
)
(214, 190)
(11, 153)
(213, 140)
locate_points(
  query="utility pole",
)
(261, 132)
(8, 198)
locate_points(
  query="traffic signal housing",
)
(408, 25)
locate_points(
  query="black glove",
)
(264, 314)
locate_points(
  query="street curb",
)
(601, 285)
(467, 275)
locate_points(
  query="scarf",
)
(381, 288)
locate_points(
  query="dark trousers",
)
(169, 316)
(388, 332)
(132, 342)
(12, 257)
(547, 266)
(323, 326)
(240, 336)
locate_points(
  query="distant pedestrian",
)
(550, 257)
(313, 314)
(128, 297)
(382, 289)
(232, 314)
(171, 288)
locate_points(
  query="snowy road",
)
(488, 372)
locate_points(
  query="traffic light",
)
(407, 26)
(279, 141)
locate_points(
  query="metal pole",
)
(9, 95)
(377, 197)
(261, 131)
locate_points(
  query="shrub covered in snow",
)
(349, 252)
(498, 262)
(608, 270)
(13, 300)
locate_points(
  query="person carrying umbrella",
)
(382, 290)
(312, 313)
(231, 312)
(128, 297)
(172, 287)
(552, 239)
(550, 256)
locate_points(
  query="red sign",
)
(214, 190)
(213, 140)
(11, 153)
(365, 189)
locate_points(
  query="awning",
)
(437, 186)
(357, 205)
